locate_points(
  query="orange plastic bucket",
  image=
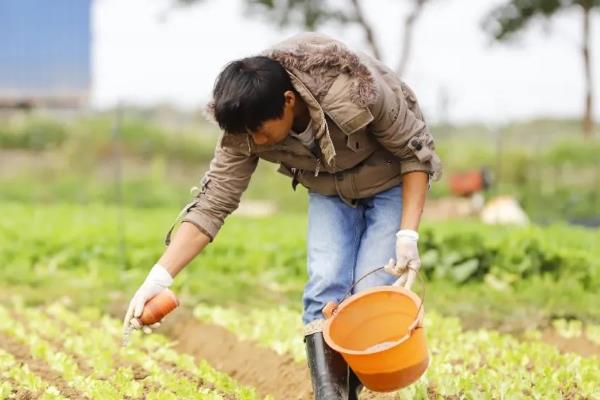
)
(380, 334)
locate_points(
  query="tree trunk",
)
(407, 38)
(360, 18)
(588, 122)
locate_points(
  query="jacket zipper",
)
(317, 167)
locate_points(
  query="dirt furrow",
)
(19, 392)
(247, 362)
(56, 344)
(38, 367)
(250, 364)
(578, 345)
(86, 366)
(139, 372)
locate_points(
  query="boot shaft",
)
(331, 377)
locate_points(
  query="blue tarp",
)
(45, 47)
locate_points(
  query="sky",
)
(147, 52)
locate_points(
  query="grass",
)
(545, 164)
(48, 251)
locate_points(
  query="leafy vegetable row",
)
(472, 364)
(92, 361)
(501, 255)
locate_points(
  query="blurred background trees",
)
(504, 22)
(507, 20)
(313, 14)
(48, 155)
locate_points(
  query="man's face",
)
(276, 130)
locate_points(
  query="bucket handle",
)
(331, 307)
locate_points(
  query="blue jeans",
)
(344, 243)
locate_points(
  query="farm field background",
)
(531, 328)
(511, 312)
(106, 133)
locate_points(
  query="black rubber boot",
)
(354, 385)
(328, 369)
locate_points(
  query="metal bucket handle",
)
(329, 311)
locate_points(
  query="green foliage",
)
(158, 166)
(464, 364)
(507, 19)
(80, 247)
(95, 137)
(24, 380)
(470, 251)
(573, 153)
(33, 134)
(544, 164)
(92, 360)
(309, 14)
(553, 178)
(515, 307)
(259, 261)
(277, 328)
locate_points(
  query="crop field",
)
(54, 353)
(106, 133)
(511, 313)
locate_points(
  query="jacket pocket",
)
(357, 141)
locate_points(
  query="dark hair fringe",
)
(249, 92)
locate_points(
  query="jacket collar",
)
(320, 128)
(330, 79)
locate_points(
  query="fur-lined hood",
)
(317, 59)
(314, 62)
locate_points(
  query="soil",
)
(21, 353)
(581, 345)
(271, 373)
(249, 364)
(38, 367)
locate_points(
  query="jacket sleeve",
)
(398, 124)
(221, 187)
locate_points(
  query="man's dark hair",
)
(249, 92)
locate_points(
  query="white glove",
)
(157, 280)
(408, 261)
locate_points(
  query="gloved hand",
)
(408, 261)
(157, 280)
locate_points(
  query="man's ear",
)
(290, 98)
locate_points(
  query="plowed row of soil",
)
(43, 370)
(38, 367)
(250, 364)
(275, 374)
